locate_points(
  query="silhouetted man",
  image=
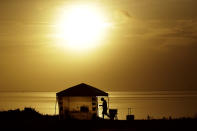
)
(104, 105)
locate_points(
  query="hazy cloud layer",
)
(152, 45)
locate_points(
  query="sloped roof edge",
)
(82, 90)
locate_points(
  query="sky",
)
(151, 46)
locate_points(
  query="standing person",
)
(104, 105)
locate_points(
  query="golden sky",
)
(150, 45)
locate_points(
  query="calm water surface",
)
(156, 104)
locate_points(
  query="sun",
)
(82, 27)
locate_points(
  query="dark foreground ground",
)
(30, 120)
(104, 125)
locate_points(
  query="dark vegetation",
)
(26, 114)
(31, 120)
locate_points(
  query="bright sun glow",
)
(82, 27)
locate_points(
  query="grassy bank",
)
(29, 119)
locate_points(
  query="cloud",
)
(120, 17)
(125, 13)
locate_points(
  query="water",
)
(155, 104)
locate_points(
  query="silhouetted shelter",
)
(79, 102)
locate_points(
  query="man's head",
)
(102, 99)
